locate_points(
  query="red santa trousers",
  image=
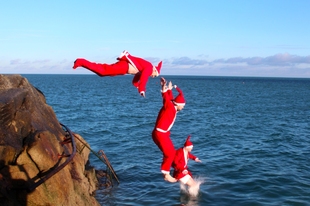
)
(164, 143)
(119, 68)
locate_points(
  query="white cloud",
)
(43, 66)
(19, 62)
(278, 65)
(275, 60)
(188, 61)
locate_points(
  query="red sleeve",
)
(144, 77)
(170, 95)
(191, 156)
(166, 98)
(135, 80)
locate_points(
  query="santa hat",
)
(158, 67)
(188, 143)
(179, 100)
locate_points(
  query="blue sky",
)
(197, 37)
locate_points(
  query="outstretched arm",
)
(143, 80)
(170, 85)
(166, 92)
(193, 157)
(163, 84)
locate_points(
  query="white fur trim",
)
(125, 53)
(185, 157)
(178, 103)
(141, 92)
(131, 62)
(122, 54)
(164, 131)
(165, 172)
(161, 130)
(163, 91)
(172, 122)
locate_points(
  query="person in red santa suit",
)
(164, 122)
(180, 161)
(126, 64)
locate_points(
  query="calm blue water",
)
(252, 135)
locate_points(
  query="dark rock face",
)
(30, 137)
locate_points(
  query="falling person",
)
(126, 64)
(179, 164)
(164, 122)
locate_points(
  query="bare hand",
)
(143, 94)
(170, 85)
(185, 172)
(198, 160)
(163, 82)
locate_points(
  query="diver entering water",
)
(180, 161)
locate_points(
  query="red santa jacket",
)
(180, 163)
(167, 113)
(144, 67)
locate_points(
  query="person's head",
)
(156, 70)
(154, 73)
(188, 146)
(179, 101)
(179, 107)
(189, 149)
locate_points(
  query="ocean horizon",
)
(211, 76)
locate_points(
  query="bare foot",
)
(167, 177)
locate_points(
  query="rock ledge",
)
(30, 137)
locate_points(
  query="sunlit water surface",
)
(252, 135)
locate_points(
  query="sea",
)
(251, 134)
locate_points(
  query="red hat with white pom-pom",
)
(179, 100)
(159, 67)
(188, 143)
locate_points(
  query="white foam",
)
(192, 191)
(183, 188)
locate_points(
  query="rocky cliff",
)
(30, 137)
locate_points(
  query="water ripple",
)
(252, 135)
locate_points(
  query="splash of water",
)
(192, 191)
